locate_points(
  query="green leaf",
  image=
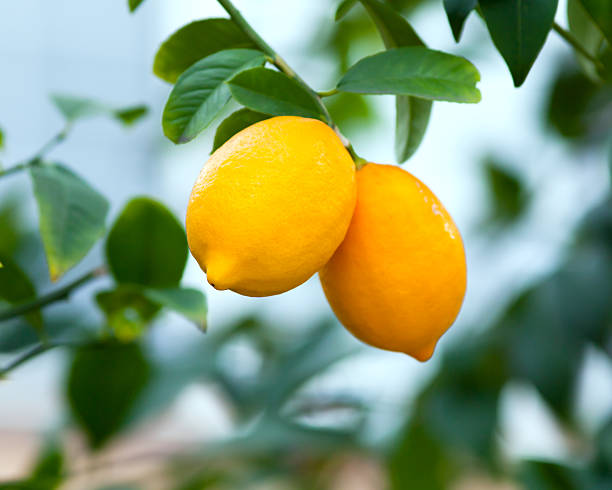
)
(16, 288)
(48, 472)
(104, 383)
(134, 4)
(235, 123)
(128, 311)
(506, 192)
(420, 461)
(71, 215)
(190, 303)
(588, 34)
(518, 29)
(147, 245)
(201, 92)
(416, 71)
(344, 8)
(74, 108)
(457, 11)
(1, 139)
(195, 41)
(600, 12)
(131, 115)
(411, 114)
(273, 93)
(544, 475)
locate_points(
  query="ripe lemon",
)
(398, 279)
(271, 206)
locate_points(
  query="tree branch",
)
(573, 42)
(60, 294)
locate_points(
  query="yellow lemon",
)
(398, 279)
(271, 206)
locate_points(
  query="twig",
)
(60, 294)
(572, 41)
(275, 58)
(29, 354)
(46, 148)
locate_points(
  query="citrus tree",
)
(114, 380)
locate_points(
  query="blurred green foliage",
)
(116, 380)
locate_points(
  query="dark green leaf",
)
(147, 245)
(195, 41)
(420, 461)
(518, 29)
(72, 215)
(416, 71)
(134, 4)
(16, 287)
(457, 11)
(344, 8)
(104, 383)
(128, 311)
(190, 303)
(131, 115)
(544, 475)
(273, 93)
(411, 114)
(506, 192)
(235, 123)
(578, 106)
(74, 108)
(201, 92)
(600, 12)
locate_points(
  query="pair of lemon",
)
(282, 200)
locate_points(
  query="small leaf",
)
(74, 108)
(411, 114)
(71, 215)
(416, 71)
(134, 4)
(195, 41)
(507, 194)
(131, 115)
(344, 8)
(190, 303)
(1, 139)
(128, 312)
(457, 11)
(600, 12)
(519, 29)
(273, 93)
(147, 245)
(16, 288)
(104, 383)
(201, 92)
(235, 123)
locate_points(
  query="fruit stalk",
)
(279, 62)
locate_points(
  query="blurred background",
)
(277, 394)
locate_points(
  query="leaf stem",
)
(572, 41)
(327, 93)
(60, 294)
(283, 66)
(37, 157)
